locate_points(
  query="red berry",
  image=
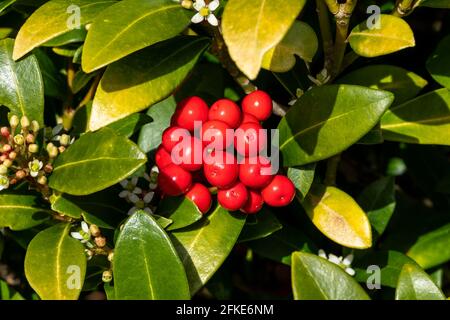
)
(254, 203)
(227, 111)
(280, 192)
(221, 169)
(250, 139)
(215, 132)
(162, 157)
(247, 117)
(188, 154)
(201, 196)
(172, 136)
(233, 198)
(255, 172)
(258, 104)
(190, 110)
(173, 180)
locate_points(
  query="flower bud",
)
(3, 169)
(111, 256)
(187, 4)
(100, 241)
(19, 139)
(3, 157)
(107, 276)
(6, 148)
(14, 121)
(95, 230)
(48, 168)
(42, 180)
(53, 153)
(30, 138)
(34, 126)
(12, 155)
(61, 149)
(5, 132)
(21, 174)
(89, 254)
(64, 140)
(7, 163)
(33, 148)
(24, 122)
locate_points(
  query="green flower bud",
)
(95, 230)
(14, 121)
(53, 153)
(24, 122)
(19, 139)
(33, 148)
(111, 256)
(107, 276)
(7, 163)
(3, 169)
(64, 140)
(34, 126)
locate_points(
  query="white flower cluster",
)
(344, 263)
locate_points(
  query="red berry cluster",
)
(244, 186)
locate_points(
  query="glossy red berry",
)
(250, 139)
(254, 202)
(162, 157)
(280, 192)
(201, 196)
(247, 117)
(226, 111)
(173, 180)
(188, 154)
(190, 110)
(220, 169)
(258, 104)
(215, 132)
(255, 172)
(172, 136)
(233, 198)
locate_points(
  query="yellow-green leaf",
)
(301, 40)
(55, 264)
(393, 35)
(53, 20)
(423, 120)
(416, 284)
(338, 217)
(252, 27)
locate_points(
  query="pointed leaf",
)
(182, 211)
(416, 284)
(393, 35)
(338, 217)
(146, 265)
(253, 27)
(439, 63)
(317, 126)
(315, 278)
(302, 177)
(55, 264)
(259, 226)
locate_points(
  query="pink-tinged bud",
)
(95, 230)
(6, 148)
(30, 138)
(12, 155)
(48, 168)
(61, 149)
(13, 181)
(5, 132)
(100, 241)
(21, 174)
(3, 157)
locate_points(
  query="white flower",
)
(4, 182)
(130, 187)
(344, 263)
(141, 204)
(205, 12)
(34, 167)
(84, 235)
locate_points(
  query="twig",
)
(325, 31)
(403, 8)
(332, 167)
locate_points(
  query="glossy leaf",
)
(53, 19)
(439, 63)
(94, 162)
(204, 246)
(315, 278)
(416, 284)
(302, 177)
(151, 133)
(7, 293)
(146, 265)
(301, 41)
(129, 26)
(53, 81)
(261, 225)
(20, 212)
(128, 126)
(140, 79)
(378, 201)
(55, 264)
(21, 84)
(253, 27)
(404, 84)
(393, 35)
(182, 211)
(317, 126)
(432, 248)
(338, 217)
(434, 3)
(5, 4)
(424, 120)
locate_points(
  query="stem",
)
(325, 31)
(332, 167)
(403, 8)
(349, 58)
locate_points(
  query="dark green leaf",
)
(259, 226)
(182, 211)
(302, 177)
(439, 63)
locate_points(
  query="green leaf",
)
(301, 41)
(55, 264)
(302, 177)
(151, 134)
(53, 81)
(317, 126)
(20, 212)
(393, 35)
(280, 245)
(315, 278)
(7, 293)
(434, 3)
(52, 20)
(260, 25)
(145, 78)
(204, 246)
(129, 26)
(81, 80)
(404, 84)
(432, 248)
(182, 211)
(423, 120)
(390, 264)
(95, 162)
(75, 35)
(21, 84)
(146, 265)
(416, 284)
(338, 217)
(128, 126)
(439, 63)
(378, 201)
(5, 4)
(259, 226)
